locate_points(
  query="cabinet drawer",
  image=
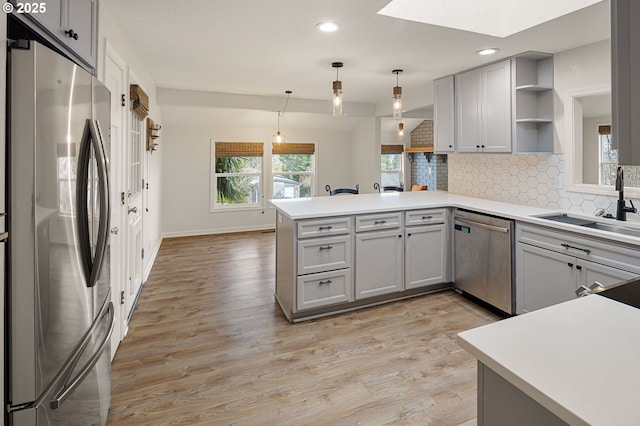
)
(597, 250)
(373, 222)
(324, 289)
(324, 254)
(320, 227)
(424, 217)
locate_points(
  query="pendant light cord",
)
(288, 92)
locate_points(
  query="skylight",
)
(498, 18)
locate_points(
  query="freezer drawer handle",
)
(77, 380)
(483, 225)
(567, 246)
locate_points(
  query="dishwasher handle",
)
(468, 222)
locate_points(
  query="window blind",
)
(239, 149)
(604, 130)
(140, 101)
(391, 149)
(293, 148)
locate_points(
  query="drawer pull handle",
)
(326, 247)
(325, 282)
(322, 228)
(379, 222)
(427, 217)
(567, 246)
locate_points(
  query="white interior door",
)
(115, 80)
(135, 150)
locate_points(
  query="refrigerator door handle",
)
(71, 386)
(105, 208)
(92, 265)
(70, 363)
(82, 182)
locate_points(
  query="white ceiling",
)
(264, 47)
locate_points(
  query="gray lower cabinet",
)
(551, 265)
(331, 264)
(500, 403)
(379, 263)
(426, 248)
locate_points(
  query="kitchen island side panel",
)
(285, 263)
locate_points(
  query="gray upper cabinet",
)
(70, 25)
(483, 109)
(625, 84)
(443, 115)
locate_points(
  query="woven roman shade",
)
(139, 101)
(391, 149)
(293, 148)
(239, 149)
(604, 130)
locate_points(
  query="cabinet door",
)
(425, 256)
(378, 263)
(543, 278)
(468, 97)
(52, 18)
(81, 19)
(443, 115)
(589, 272)
(496, 107)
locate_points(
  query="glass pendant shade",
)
(337, 90)
(337, 97)
(401, 129)
(397, 97)
(278, 137)
(397, 102)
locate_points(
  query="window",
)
(236, 174)
(608, 156)
(293, 166)
(391, 165)
(135, 155)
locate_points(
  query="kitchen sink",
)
(588, 223)
(610, 227)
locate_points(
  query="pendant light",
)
(337, 91)
(277, 136)
(401, 129)
(397, 97)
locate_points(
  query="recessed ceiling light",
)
(327, 27)
(488, 51)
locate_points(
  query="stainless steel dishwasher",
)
(484, 258)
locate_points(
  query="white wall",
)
(111, 34)
(576, 69)
(365, 152)
(186, 168)
(3, 85)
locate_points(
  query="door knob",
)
(133, 210)
(115, 230)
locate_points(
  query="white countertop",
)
(340, 205)
(579, 359)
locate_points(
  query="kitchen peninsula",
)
(572, 363)
(345, 252)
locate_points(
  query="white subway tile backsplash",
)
(530, 179)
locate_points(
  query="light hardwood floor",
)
(207, 344)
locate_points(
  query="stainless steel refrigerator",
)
(59, 313)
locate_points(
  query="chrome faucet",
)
(622, 209)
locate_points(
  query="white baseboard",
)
(226, 230)
(152, 260)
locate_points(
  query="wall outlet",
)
(555, 182)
